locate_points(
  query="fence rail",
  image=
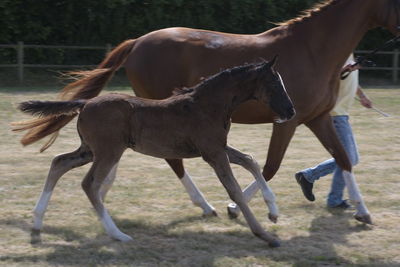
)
(20, 65)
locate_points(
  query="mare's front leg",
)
(220, 163)
(282, 133)
(247, 162)
(194, 192)
(323, 128)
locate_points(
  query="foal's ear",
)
(272, 63)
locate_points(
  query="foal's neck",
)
(224, 94)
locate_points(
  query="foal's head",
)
(271, 91)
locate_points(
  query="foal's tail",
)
(88, 84)
(50, 113)
(52, 108)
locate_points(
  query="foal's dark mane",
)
(239, 73)
(306, 14)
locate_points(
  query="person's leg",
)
(324, 168)
(345, 134)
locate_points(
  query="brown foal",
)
(194, 122)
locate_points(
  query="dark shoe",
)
(305, 185)
(344, 206)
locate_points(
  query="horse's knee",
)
(58, 161)
(250, 161)
(86, 184)
(236, 197)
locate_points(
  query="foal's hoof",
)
(363, 218)
(211, 213)
(123, 237)
(233, 211)
(274, 244)
(35, 236)
(273, 218)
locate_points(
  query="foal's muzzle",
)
(289, 114)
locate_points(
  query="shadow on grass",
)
(168, 245)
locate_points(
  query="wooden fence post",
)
(20, 61)
(395, 66)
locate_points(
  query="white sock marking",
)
(354, 193)
(40, 209)
(111, 229)
(195, 194)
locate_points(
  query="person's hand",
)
(365, 101)
(351, 67)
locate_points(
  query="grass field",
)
(149, 203)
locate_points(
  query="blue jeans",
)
(345, 135)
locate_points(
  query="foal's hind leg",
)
(247, 162)
(108, 182)
(59, 166)
(103, 164)
(220, 163)
(194, 192)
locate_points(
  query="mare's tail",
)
(88, 85)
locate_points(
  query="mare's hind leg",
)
(323, 128)
(247, 162)
(59, 166)
(220, 163)
(103, 164)
(194, 192)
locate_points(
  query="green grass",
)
(148, 202)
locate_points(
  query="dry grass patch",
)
(149, 203)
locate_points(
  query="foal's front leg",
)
(247, 162)
(280, 139)
(220, 163)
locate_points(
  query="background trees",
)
(94, 22)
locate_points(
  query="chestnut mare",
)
(312, 49)
(193, 122)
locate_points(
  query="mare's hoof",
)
(273, 218)
(274, 244)
(233, 211)
(35, 236)
(363, 218)
(211, 213)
